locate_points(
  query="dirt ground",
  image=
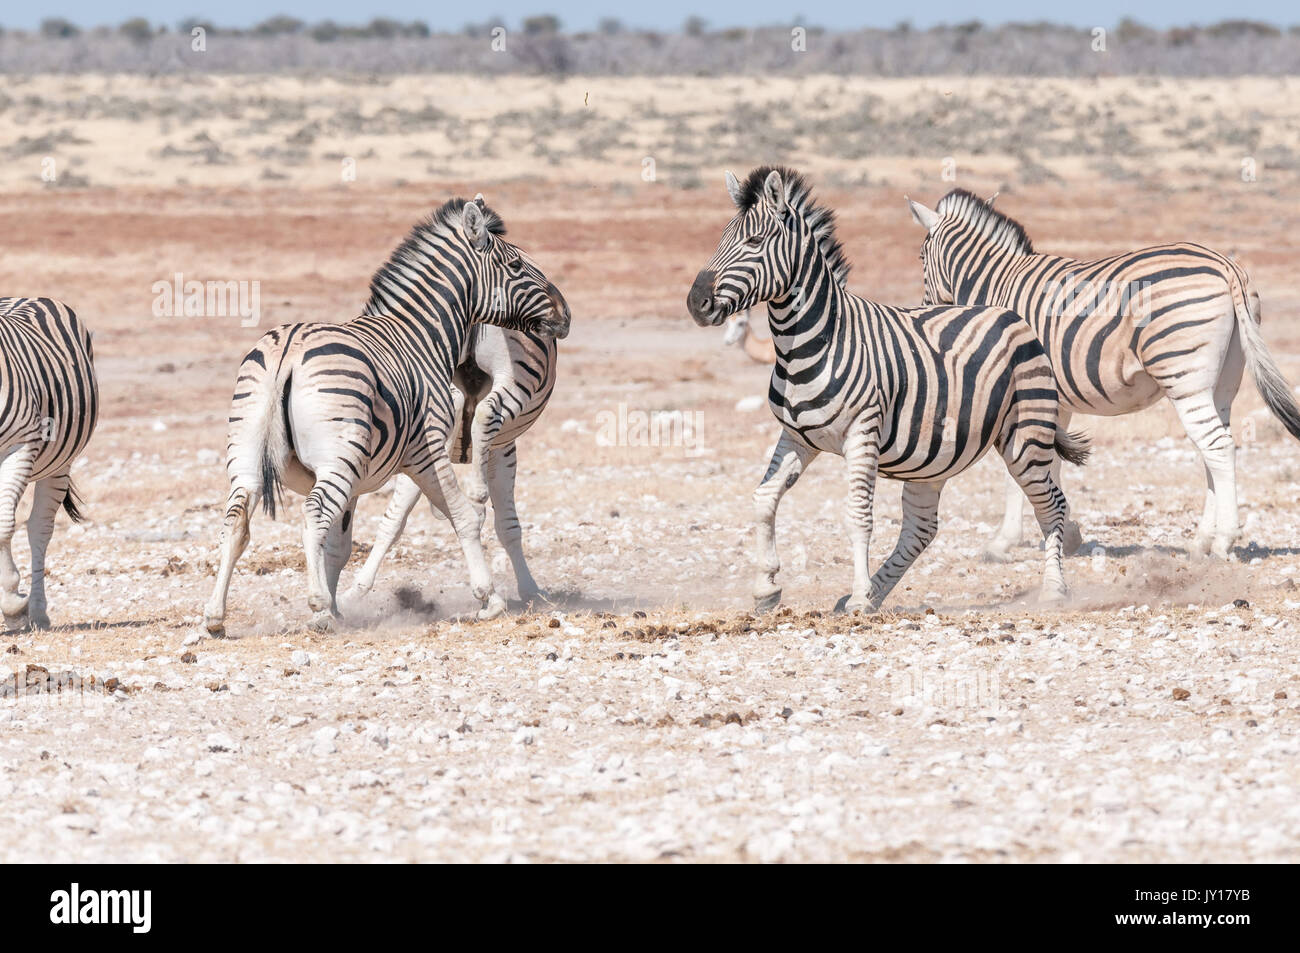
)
(643, 714)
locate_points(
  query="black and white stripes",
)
(917, 395)
(1179, 321)
(49, 403)
(334, 411)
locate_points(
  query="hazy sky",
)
(660, 14)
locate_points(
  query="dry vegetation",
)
(643, 714)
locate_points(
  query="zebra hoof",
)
(1222, 548)
(321, 622)
(215, 626)
(13, 605)
(768, 602)
(494, 607)
(1201, 545)
(995, 553)
(845, 605)
(1071, 539)
(38, 620)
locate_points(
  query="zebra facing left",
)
(335, 410)
(49, 403)
(917, 395)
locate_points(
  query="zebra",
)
(502, 386)
(49, 403)
(917, 395)
(334, 411)
(1179, 321)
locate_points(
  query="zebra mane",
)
(444, 222)
(1000, 229)
(798, 192)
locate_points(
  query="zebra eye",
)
(753, 241)
(516, 264)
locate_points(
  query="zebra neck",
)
(811, 311)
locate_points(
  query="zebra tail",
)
(274, 440)
(1072, 447)
(72, 504)
(1270, 382)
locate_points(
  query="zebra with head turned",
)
(49, 402)
(1179, 321)
(917, 395)
(502, 386)
(334, 411)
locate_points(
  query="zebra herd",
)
(454, 357)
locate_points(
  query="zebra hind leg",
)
(15, 469)
(234, 540)
(338, 549)
(46, 500)
(920, 526)
(1031, 466)
(327, 503)
(1207, 426)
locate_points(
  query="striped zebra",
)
(334, 411)
(916, 395)
(1179, 321)
(49, 402)
(502, 385)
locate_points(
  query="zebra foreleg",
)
(46, 500)
(405, 495)
(234, 539)
(861, 455)
(438, 482)
(790, 458)
(15, 470)
(920, 526)
(501, 483)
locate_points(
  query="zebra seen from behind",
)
(335, 410)
(49, 403)
(917, 395)
(502, 386)
(1177, 321)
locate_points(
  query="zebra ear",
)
(774, 191)
(734, 189)
(480, 201)
(475, 226)
(924, 217)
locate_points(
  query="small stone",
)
(1181, 694)
(300, 658)
(189, 658)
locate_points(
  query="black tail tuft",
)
(72, 504)
(1073, 447)
(272, 488)
(270, 485)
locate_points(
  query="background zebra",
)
(502, 386)
(918, 395)
(49, 402)
(342, 408)
(1177, 321)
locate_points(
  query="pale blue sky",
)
(660, 14)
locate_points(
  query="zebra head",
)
(776, 234)
(508, 288)
(964, 236)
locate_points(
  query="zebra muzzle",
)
(701, 302)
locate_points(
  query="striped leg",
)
(1032, 469)
(489, 417)
(1207, 426)
(502, 462)
(920, 525)
(326, 504)
(861, 453)
(405, 495)
(234, 539)
(338, 548)
(790, 458)
(1225, 391)
(15, 469)
(46, 500)
(438, 481)
(1009, 534)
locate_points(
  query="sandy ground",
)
(642, 714)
